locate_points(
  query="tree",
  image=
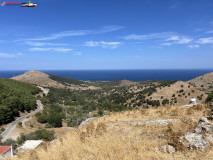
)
(210, 97)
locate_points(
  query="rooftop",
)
(4, 149)
(31, 144)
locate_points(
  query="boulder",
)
(204, 125)
(194, 141)
(203, 119)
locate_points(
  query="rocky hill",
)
(38, 78)
(46, 80)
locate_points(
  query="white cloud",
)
(51, 49)
(179, 40)
(7, 55)
(166, 38)
(44, 44)
(72, 33)
(208, 40)
(193, 46)
(148, 36)
(103, 44)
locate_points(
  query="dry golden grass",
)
(127, 136)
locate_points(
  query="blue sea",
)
(110, 75)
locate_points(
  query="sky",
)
(107, 34)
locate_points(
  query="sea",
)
(110, 75)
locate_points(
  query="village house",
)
(6, 151)
(193, 101)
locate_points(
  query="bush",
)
(20, 124)
(39, 134)
(165, 101)
(45, 134)
(181, 90)
(55, 120)
(210, 97)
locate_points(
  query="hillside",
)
(137, 135)
(179, 92)
(38, 78)
(15, 97)
(106, 96)
(46, 80)
(203, 83)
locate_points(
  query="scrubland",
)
(128, 135)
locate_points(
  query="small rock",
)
(203, 119)
(198, 130)
(170, 149)
(194, 141)
(167, 149)
(156, 150)
(163, 149)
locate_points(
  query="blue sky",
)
(107, 34)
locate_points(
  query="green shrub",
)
(20, 124)
(210, 97)
(165, 101)
(45, 134)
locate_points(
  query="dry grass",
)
(127, 136)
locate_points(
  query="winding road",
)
(7, 132)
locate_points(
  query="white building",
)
(193, 101)
(30, 145)
(6, 151)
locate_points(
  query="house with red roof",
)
(6, 151)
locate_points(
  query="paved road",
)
(7, 132)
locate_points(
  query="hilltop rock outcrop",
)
(195, 141)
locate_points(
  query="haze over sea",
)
(110, 75)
